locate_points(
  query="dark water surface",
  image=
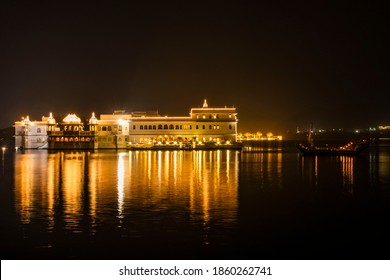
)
(269, 204)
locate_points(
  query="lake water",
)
(269, 204)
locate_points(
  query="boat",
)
(352, 148)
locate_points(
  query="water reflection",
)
(267, 168)
(335, 170)
(73, 188)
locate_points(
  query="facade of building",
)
(117, 130)
(31, 134)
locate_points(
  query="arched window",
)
(82, 139)
(87, 139)
(171, 126)
(159, 126)
(230, 126)
(177, 127)
(210, 126)
(104, 128)
(204, 127)
(141, 127)
(209, 116)
(58, 139)
(76, 139)
(154, 127)
(165, 126)
(150, 127)
(38, 130)
(109, 128)
(66, 139)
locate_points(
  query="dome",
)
(51, 120)
(26, 121)
(72, 118)
(93, 119)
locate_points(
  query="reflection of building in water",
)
(112, 131)
(34, 190)
(200, 180)
(74, 186)
(267, 167)
(347, 172)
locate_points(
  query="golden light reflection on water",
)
(331, 168)
(267, 167)
(75, 185)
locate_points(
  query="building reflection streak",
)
(72, 181)
(120, 183)
(93, 185)
(24, 185)
(52, 183)
(347, 172)
(384, 167)
(159, 167)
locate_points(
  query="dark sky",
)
(281, 64)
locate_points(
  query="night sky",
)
(281, 64)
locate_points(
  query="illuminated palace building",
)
(117, 130)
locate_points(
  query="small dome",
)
(26, 121)
(51, 120)
(93, 119)
(72, 118)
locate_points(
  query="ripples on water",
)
(269, 202)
